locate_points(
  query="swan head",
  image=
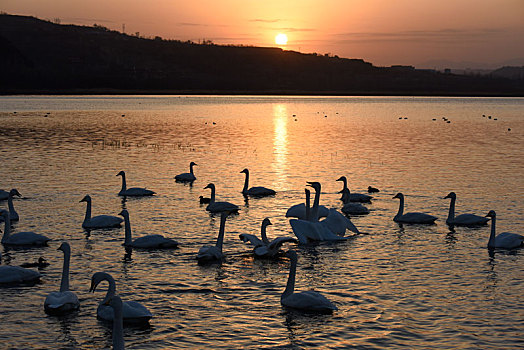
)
(87, 198)
(65, 247)
(192, 164)
(399, 195)
(451, 195)
(314, 184)
(124, 213)
(97, 278)
(491, 214)
(210, 185)
(342, 178)
(14, 192)
(245, 171)
(266, 222)
(121, 173)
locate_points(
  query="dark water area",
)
(417, 287)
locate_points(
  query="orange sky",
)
(383, 32)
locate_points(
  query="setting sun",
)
(281, 39)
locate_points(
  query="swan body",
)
(264, 248)
(63, 301)
(412, 217)
(13, 275)
(13, 215)
(462, 219)
(20, 238)
(187, 177)
(118, 324)
(99, 221)
(308, 301)
(258, 191)
(347, 196)
(504, 240)
(145, 242)
(352, 208)
(132, 311)
(217, 207)
(4, 195)
(208, 254)
(133, 191)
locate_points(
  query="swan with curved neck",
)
(20, 238)
(216, 207)
(412, 217)
(347, 196)
(99, 221)
(118, 324)
(145, 242)
(462, 219)
(505, 240)
(214, 253)
(132, 312)
(14, 275)
(352, 208)
(258, 191)
(63, 301)
(264, 248)
(133, 191)
(13, 215)
(308, 301)
(187, 177)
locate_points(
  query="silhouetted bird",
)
(40, 263)
(373, 189)
(204, 200)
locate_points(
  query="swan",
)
(12, 275)
(134, 191)
(216, 207)
(118, 325)
(63, 301)
(145, 242)
(504, 240)
(255, 191)
(13, 215)
(462, 219)
(99, 221)
(41, 263)
(187, 177)
(132, 311)
(309, 301)
(352, 197)
(213, 253)
(299, 211)
(411, 218)
(264, 248)
(4, 195)
(20, 238)
(352, 208)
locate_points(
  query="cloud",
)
(265, 20)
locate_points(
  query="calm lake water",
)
(416, 287)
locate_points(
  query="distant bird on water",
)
(505, 240)
(13, 275)
(462, 219)
(187, 177)
(133, 191)
(373, 189)
(20, 238)
(216, 207)
(264, 248)
(145, 242)
(99, 221)
(258, 191)
(412, 217)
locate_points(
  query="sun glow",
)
(281, 39)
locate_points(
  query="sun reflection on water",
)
(280, 143)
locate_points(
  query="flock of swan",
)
(308, 222)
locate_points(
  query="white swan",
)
(309, 301)
(504, 240)
(462, 219)
(20, 238)
(13, 275)
(413, 217)
(63, 301)
(133, 191)
(132, 311)
(145, 242)
(347, 196)
(216, 207)
(264, 248)
(255, 191)
(352, 208)
(118, 323)
(99, 221)
(187, 177)
(214, 253)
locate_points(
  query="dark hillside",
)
(40, 56)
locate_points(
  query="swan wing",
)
(417, 218)
(277, 242)
(359, 197)
(254, 240)
(154, 241)
(469, 220)
(137, 191)
(58, 302)
(16, 274)
(185, 177)
(309, 301)
(209, 253)
(509, 240)
(221, 206)
(299, 211)
(102, 221)
(260, 191)
(27, 238)
(354, 209)
(337, 223)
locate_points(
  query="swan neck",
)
(345, 182)
(127, 229)
(88, 212)
(263, 234)
(212, 199)
(491, 242)
(64, 283)
(10, 204)
(7, 228)
(111, 289)
(124, 186)
(400, 208)
(290, 287)
(308, 209)
(451, 214)
(246, 183)
(118, 328)
(191, 168)
(316, 202)
(221, 232)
